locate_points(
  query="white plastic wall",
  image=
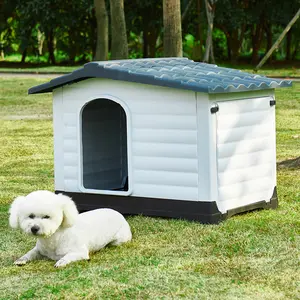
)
(162, 137)
(246, 152)
(177, 149)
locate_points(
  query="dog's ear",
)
(14, 212)
(70, 212)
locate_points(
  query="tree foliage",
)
(65, 30)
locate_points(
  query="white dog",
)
(63, 234)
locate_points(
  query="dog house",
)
(165, 137)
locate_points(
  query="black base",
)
(204, 212)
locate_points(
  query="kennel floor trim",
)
(203, 212)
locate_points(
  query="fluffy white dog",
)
(63, 234)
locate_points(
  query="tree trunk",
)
(24, 54)
(296, 49)
(197, 51)
(72, 47)
(146, 38)
(152, 38)
(50, 45)
(288, 45)
(41, 39)
(269, 35)
(145, 42)
(119, 44)
(256, 41)
(237, 36)
(228, 45)
(276, 44)
(187, 8)
(210, 10)
(172, 28)
(101, 52)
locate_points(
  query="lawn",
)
(40, 69)
(277, 70)
(249, 256)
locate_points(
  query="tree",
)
(285, 31)
(231, 17)
(119, 45)
(198, 46)
(145, 16)
(210, 6)
(101, 52)
(172, 28)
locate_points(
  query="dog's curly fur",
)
(63, 234)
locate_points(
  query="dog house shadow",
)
(165, 137)
(292, 164)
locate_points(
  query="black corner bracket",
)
(272, 204)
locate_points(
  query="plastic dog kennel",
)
(165, 137)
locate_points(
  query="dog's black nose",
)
(35, 229)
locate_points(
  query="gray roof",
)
(180, 73)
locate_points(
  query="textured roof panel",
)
(180, 73)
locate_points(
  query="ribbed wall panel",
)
(70, 145)
(240, 175)
(70, 159)
(166, 178)
(178, 192)
(165, 122)
(167, 164)
(70, 132)
(71, 185)
(70, 119)
(242, 120)
(71, 172)
(243, 188)
(147, 99)
(164, 136)
(58, 126)
(229, 149)
(245, 151)
(244, 161)
(248, 106)
(164, 145)
(250, 198)
(236, 134)
(164, 150)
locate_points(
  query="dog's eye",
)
(46, 217)
(31, 216)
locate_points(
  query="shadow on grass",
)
(289, 164)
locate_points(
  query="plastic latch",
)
(214, 109)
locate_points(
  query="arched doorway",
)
(104, 146)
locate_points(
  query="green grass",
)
(267, 70)
(39, 69)
(249, 256)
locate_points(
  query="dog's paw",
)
(60, 263)
(20, 262)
